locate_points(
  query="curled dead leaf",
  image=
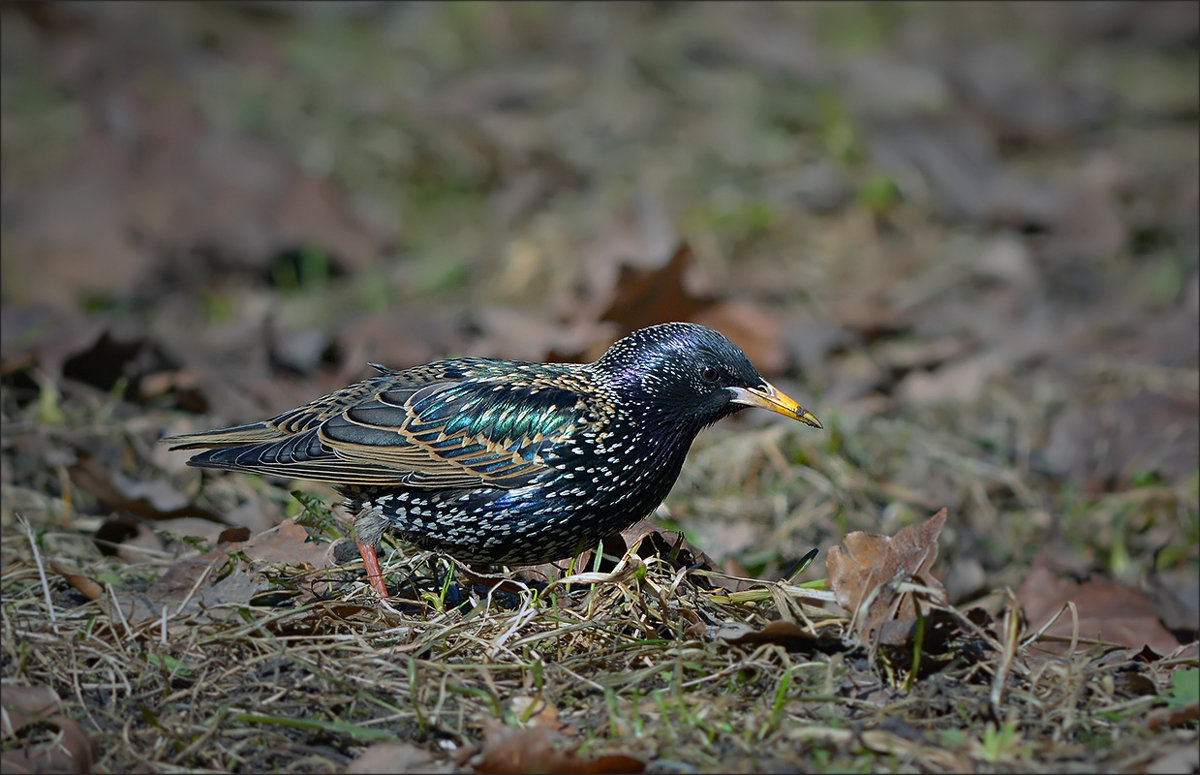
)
(862, 571)
(84, 585)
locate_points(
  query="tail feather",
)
(239, 435)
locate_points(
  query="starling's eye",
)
(709, 374)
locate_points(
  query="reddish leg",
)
(374, 572)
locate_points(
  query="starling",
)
(506, 462)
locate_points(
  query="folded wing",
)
(384, 432)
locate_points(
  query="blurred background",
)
(964, 235)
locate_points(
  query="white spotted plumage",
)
(507, 462)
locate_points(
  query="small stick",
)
(188, 598)
(37, 559)
(112, 593)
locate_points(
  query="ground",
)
(964, 235)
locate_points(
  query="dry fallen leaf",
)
(790, 635)
(531, 749)
(1162, 718)
(244, 199)
(97, 350)
(645, 297)
(1106, 610)
(86, 586)
(233, 572)
(71, 752)
(861, 572)
(287, 544)
(962, 380)
(129, 538)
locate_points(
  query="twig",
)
(187, 599)
(37, 559)
(120, 614)
(578, 677)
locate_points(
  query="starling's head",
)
(692, 374)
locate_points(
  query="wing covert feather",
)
(384, 432)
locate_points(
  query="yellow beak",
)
(768, 397)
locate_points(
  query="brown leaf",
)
(860, 573)
(39, 335)
(201, 530)
(539, 711)
(204, 581)
(942, 637)
(245, 200)
(23, 705)
(531, 749)
(427, 334)
(234, 535)
(790, 635)
(1106, 610)
(726, 537)
(1166, 718)
(288, 544)
(314, 211)
(961, 380)
(90, 253)
(869, 316)
(965, 176)
(518, 334)
(128, 538)
(645, 297)
(86, 586)
(1091, 224)
(1176, 596)
(640, 235)
(230, 573)
(94, 350)
(72, 752)
(651, 540)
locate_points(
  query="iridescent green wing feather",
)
(453, 435)
(447, 434)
